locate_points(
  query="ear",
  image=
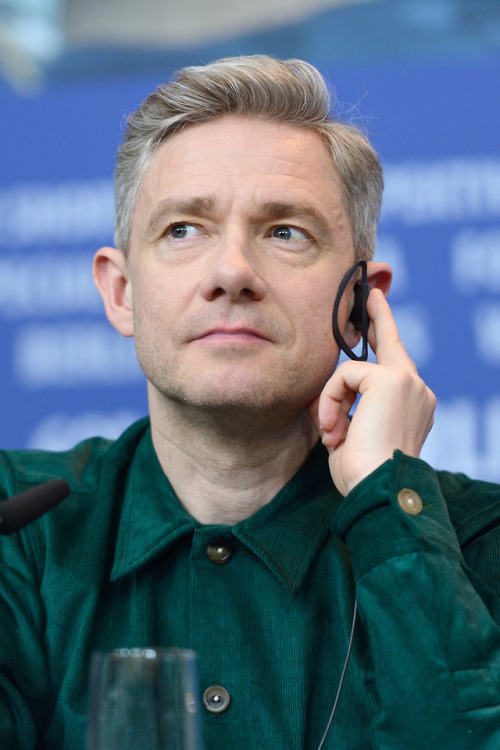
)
(379, 277)
(110, 270)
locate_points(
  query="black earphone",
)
(359, 316)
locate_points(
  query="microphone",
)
(18, 511)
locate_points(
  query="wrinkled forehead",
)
(267, 154)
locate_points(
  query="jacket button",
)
(410, 502)
(220, 551)
(216, 699)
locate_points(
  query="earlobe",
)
(110, 271)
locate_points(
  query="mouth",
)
(231, 335)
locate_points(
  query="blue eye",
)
(182, 230)
(178, 231)
(289, 233)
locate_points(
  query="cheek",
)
(316, 345)
(152, 294)
(152, 316)
(317, 311)
(316, 325)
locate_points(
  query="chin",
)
(257, 399)
(237, 389)
(229, 398)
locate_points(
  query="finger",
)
(313, 412)
(336, 418)
(340, 393)
(384, 335)
(336, 434)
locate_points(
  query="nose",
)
(232, 272)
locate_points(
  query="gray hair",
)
(290, 91)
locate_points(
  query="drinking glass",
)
(144, 699)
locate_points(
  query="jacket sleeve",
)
(435, 642)
(23, 667)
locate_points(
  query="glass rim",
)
(147, 653)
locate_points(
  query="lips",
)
(231, 334)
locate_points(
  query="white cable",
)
(344, 670)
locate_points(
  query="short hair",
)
(288, 91)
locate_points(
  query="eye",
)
(289, 233)
(182, 231)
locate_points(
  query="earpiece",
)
(359, 316)
(359, 306)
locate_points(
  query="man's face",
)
(240, 239)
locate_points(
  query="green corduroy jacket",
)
(120, 563)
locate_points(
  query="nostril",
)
(246, 292)
(220, 282)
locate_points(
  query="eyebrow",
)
(196, 206)
(280, 210)
(205, 206)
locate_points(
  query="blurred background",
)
(420, 76)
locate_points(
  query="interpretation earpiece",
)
(359, 315)
(358, 308)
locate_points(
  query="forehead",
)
(244, 159)
(245, 138)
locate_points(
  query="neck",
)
(225, 466)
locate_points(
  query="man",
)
(224, 524)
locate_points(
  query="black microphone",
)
(18, 511)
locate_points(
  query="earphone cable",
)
(342, 676)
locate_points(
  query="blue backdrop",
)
(66, 373)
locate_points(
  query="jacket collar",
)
(286, 534)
